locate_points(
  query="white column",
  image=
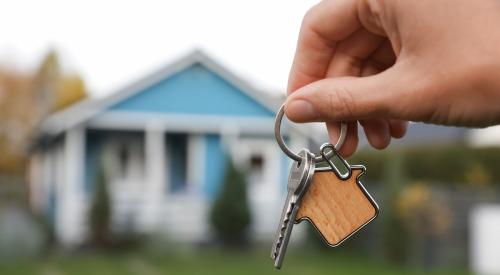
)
(154, 191)
(71, 197)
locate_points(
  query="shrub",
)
(230, 215)
(100, 212)
(453, 164)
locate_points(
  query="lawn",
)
(206, 262)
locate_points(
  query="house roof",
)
(85, 110)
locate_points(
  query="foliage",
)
(422, 211)
(230, 214)
(55, 89)
(453, 164)
(25, 100)
(15, 120)
(426, 217)
(100, 212)
(70, 89)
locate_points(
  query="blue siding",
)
(215, 161)
(195, 90)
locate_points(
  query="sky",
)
(113, 43)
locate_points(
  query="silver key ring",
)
(292, 155)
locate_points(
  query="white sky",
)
(111, 43)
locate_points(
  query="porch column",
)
(154, 191)
(70, 161)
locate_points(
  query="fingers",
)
(377, 132)
(380, 131)
(351, 141)
(333, 45)
(346, 98)
(351, 53)
(323, 25)
(385, 54)
(398, 128)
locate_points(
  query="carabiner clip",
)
(325, 155)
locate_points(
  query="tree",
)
(230, 215)
(100, 212)
(70, 89)
(15, 120)
(26, 99)
(54, 89)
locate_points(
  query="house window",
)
(177, 156)
(256, 173)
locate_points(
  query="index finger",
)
(323, 25)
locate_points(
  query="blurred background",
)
(136, 137)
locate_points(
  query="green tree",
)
(100, 212)
(230, 215)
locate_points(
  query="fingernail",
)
(300, 109)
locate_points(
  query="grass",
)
(207, 262)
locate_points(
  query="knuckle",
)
(309, 17)
(308, 22)
(341, 104)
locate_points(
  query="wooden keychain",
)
(337, 204)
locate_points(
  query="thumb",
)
(346, 98)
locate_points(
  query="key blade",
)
(298, 180)
(283, 240)
(284, 213)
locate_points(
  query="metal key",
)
(300, 176)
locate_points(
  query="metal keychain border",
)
(290, 153)
(358, 183)
(367, 195)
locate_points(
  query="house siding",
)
(215, 162)
(196, 91)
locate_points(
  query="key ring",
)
(292, 155)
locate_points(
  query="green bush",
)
(100, 212)
(230, 214)
(456, 164)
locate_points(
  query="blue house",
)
(163, 143)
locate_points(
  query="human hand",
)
(384, 63)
